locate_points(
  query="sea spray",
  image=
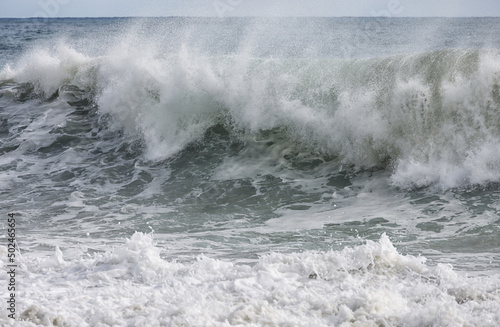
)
(409, 113)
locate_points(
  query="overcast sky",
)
(368, 8)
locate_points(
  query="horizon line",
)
(226, 17)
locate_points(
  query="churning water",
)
(238, 171)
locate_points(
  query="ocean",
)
(250, 172)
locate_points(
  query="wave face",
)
(430, 117)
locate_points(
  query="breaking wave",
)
(431, 118)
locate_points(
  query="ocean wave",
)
(431, 118)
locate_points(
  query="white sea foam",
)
(132, 284)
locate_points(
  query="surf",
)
(428, 117)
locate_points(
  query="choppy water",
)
(216, 172)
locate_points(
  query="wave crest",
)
(431, 117)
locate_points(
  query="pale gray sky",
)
(368, 8)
